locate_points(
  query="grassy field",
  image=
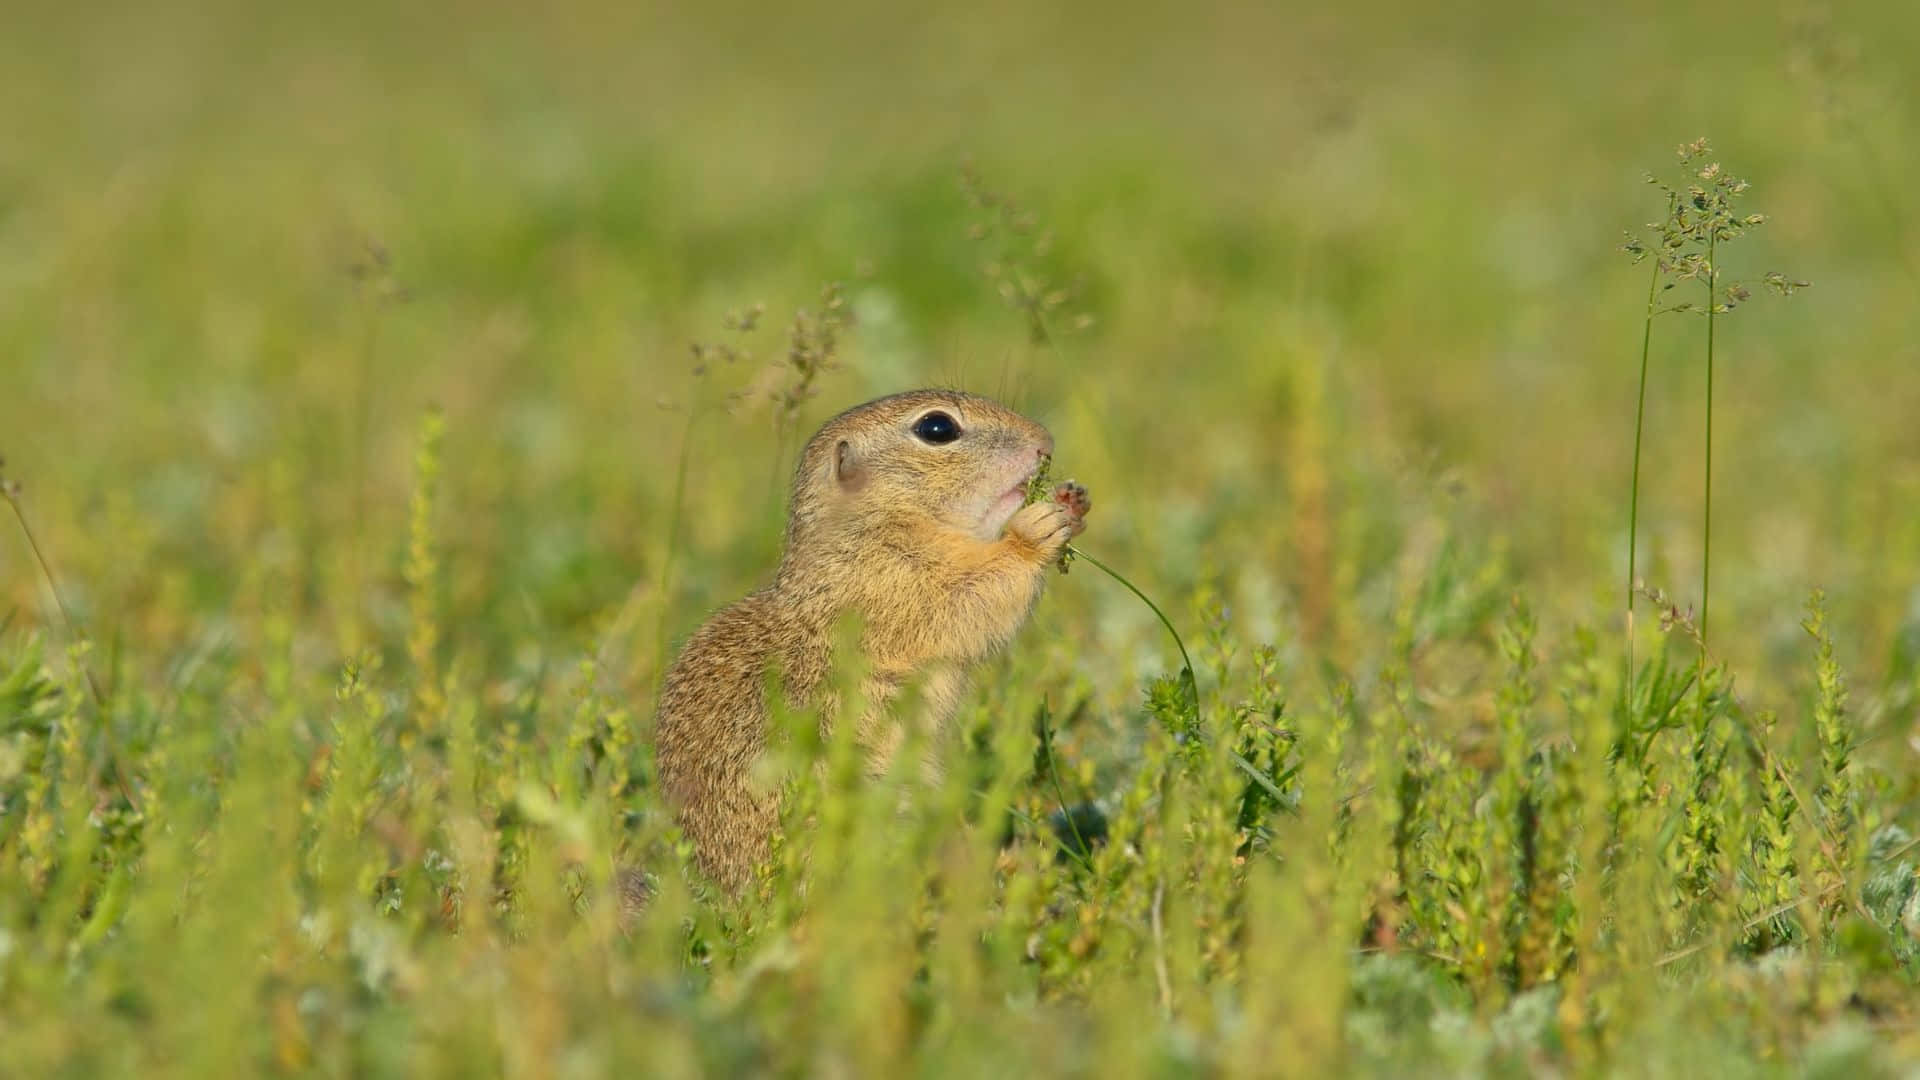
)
(388, 389)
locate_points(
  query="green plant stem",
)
(1633, 499)
(73, 634)
(673, 532)
(1706, 528)
(1193, 681)
(53, 586)
(1155, 608)
(1083, 853)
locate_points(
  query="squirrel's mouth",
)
(1005, 504)
(1018, 492)
(1026, 480)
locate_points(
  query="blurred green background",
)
(1340, 335)
(1353, 274)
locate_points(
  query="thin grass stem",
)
(1155, 608)
(11, 494)
(1082, 852)
(1253, 772)
(53, 586)
(1639, 430)
(1706, 509)
(676, 508)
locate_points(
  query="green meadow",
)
(387, 390)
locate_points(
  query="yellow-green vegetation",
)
(361, 480)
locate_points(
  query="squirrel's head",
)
(940, 457)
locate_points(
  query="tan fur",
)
(912, 539)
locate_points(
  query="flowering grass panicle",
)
(1703, 214)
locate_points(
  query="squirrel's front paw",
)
(1048, 524)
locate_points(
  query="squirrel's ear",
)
(847, 470)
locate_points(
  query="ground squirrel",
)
(908, 513)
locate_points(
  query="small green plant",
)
(1836, 737)
(423, 575)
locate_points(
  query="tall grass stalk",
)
(10, 491)
(1685, 246)
(675, 510)
(1639, 431)
(1082, 852)
(1706, 497)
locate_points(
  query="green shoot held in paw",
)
(1188, 684)
(1041, 487)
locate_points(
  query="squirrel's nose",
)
(1045, 449)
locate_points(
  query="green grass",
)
(346, 371)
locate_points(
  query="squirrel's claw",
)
(1074, 498)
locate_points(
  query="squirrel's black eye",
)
(936, 427)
